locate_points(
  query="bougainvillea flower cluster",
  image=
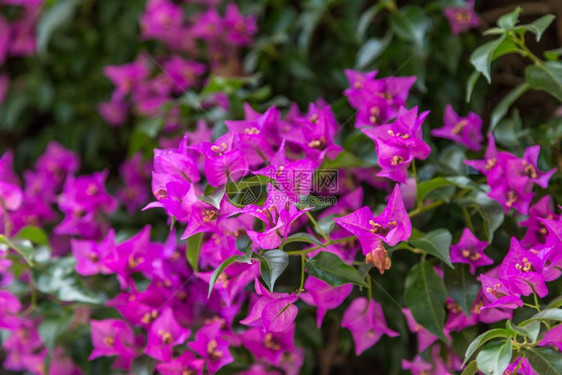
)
(266, 229)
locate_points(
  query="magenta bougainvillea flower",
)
(425, 338)
(399, 143)
(553, 338)
(325, 297)
(210, 344)
(273, 312)
(537, 231)
(10, 306)
(224, 159)
(187, 362)
(521, 271)
(522, 366)
(11, 194)
(376, 100)
(365, 320)
(164, 334)
(278, 213)
(92, 256)
(391, 226)
(462, 18)
(470, 250)
(269, 346)
(511, 178)
(417, 366)
(463, 130)
(498, 294)
(112, 337)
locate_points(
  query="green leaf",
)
(365, 20)
(214, 197)
(506, 47)
(227, 85)
(193, 249)
(272, 265)
(425, 296)
(544, 315)
(494, 357)
(436, 243)
(51, 328)
(503, 106)
(471, 83)
(544, 361)
(425, 187)
(53, 18)
(344, 159)
(514, 330)
(546, 76)
(539, 26)
(23, 248)
(492, 212)
(246, 258)
(508, 21)
(482, 339)
(150, 126)
(59, 279)
(372, 49)
(462, 287)
(303, 237)
(33, 234)
(471, 369)
(410, 23)
(555, 303)
(332, 269)
(553, 54)
(481, 58)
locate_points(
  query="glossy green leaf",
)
(539, 26)
(51, 328)
(436, 243)
(494, 357)
(372, 49)
(471, 83)
(272, 264)
(214, 197)
(544, 361)
(508, 21)
(425, 296)
(410, 23)
(60, 279)
(545, 315)
(471, 369)
(246, 258)
(52, 19)
(503, 106)
(193, 249)
(22, 247)
(482, 339)
(303, 237)
(546, 76)
(33, 234)
(481, 58)
(333, 270)
(462, 287)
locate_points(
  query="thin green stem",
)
(327, 243)
(415, 175)
(467, 218)
(422, 209)
(318, 229)
(520, 42)
(301, 287)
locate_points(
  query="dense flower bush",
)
(257, 195)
